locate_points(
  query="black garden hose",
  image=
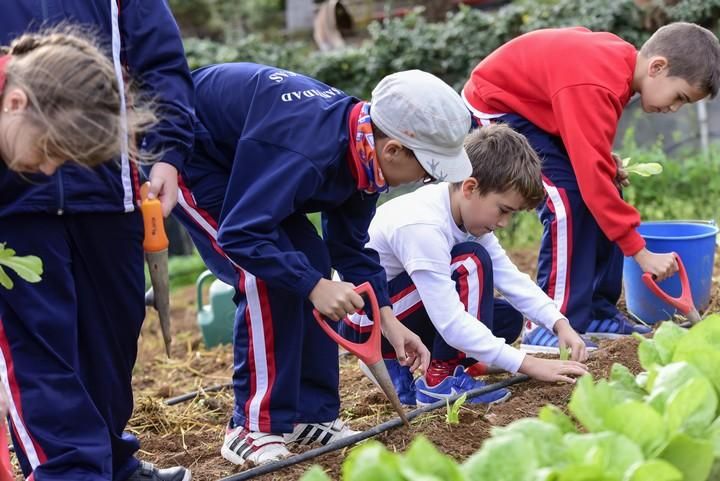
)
(356, 438)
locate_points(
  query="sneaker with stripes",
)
(459, 382)
(543, 340)
(149, 472)
(616, 326)
(401, 377)
(242, 446)
(320, 433)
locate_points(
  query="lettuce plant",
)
(661, 425)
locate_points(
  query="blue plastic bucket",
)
(694, 241)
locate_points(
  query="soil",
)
(191, 433)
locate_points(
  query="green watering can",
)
(217, 318)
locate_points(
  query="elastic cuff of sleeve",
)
(510, 359)
(631, 243)
(548, 316)
(174, 158)
(308, 283)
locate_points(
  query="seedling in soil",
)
(29, 268)
(453, 412)
(564, 353)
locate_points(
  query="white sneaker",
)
(242, 446)
(321, 433)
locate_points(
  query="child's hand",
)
(552, 370)
(410, 350)
(164, 185)
(622, 178)
(335, 299)
(661, 266)
(571, 340)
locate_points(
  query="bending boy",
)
(565, 90)
(272, 146)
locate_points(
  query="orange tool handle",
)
(6, 470)
(155, 238)
(684, 302)
(369, 351)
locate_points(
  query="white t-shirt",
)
(415, 233)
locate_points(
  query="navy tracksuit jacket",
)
(272, 146)
(68, 344)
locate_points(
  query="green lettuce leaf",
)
(553, 415)
(666, 380)
(372, 462)
(315, 473)
(641, 424)
(508, 458)
(546, 438)
(582, 472)
(692, 457)
(591, 402)
(666, 339)
(424, 462)
(714, 435)
(648, 353)
(692, 408)
(653, 470)
(613, 453)
(625, 384)
(701, 348)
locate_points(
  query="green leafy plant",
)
(448, 49)
(661, 425)
(452, 48)
(29, 268)
(564, 353)
(644, 169)
(453, 412)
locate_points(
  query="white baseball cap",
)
(428, 117)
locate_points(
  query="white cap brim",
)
(443, 167)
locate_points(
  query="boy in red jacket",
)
(565, 90)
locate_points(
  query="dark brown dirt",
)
(191, 433)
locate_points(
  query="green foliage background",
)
(218, 32)
(449, 50)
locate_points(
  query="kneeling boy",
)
(443, 263)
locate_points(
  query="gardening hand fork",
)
(369, 351)
(683, 303)
(155, 245)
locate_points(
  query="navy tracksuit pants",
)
(473, 276)
(578, 266)
(285, 367)
(68, 344)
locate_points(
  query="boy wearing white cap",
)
(272, 146)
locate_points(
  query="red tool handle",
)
(6, 470)
(684, 303)
(369, 351)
